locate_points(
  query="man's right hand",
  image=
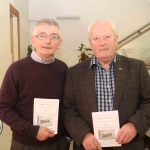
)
(44, 133)
(90, 142)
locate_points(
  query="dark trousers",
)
(62, 144)
(107, 148)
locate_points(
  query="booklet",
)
(46, 113)
(106, 127)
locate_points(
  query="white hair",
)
(47, 21)
(102, 21)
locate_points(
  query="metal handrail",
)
(133, 36)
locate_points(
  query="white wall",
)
(5, 52)
(126, 14)
(5, 55)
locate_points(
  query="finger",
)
(97, 145)
(49, 131)
(86, 148)
(121, 139)
(52, 135)
(125, 140)
(119, 135)
(92, 146)
(89, 146)
(121, 131)
(129, 139)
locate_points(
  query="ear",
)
(33, 41)
(59, 42)
(116, 40)
(90, 43)
(90, 40)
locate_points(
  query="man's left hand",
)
(126, 133)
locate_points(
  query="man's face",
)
(103, 41)
(46, 47)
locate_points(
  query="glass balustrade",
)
(139, 48)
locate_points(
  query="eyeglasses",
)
(53, 37)
(104, 38)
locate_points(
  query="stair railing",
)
(133, 36)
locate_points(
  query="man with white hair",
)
(107, 82)
(40, 75)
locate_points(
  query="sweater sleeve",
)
(9, 98)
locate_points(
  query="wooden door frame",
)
(16, 13)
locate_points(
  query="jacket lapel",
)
(120, 79)
(89, 83)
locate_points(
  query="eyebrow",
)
(103, 35)
(41, 32)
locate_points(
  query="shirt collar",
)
(37, 58)
(94, 61)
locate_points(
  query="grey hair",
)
(102, 21)
(47, 21)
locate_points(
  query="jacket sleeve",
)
(75, 125)
(141, 119)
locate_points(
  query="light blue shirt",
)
(37, 58)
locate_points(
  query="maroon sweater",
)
(25, 80)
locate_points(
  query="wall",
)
(5, 53)
(22, 8)
(127, 15)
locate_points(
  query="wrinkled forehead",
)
(102, 29)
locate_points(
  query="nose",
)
(47, 40)
(102, 41)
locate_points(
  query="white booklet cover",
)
(106, 126)
(46, 113)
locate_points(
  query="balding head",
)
(102, 22)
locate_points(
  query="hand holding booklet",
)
(46, 113)
(106, 127)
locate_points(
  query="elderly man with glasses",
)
(40, 75)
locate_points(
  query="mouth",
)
(47, 47)
(104, 49)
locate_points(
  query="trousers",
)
(62, 144)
